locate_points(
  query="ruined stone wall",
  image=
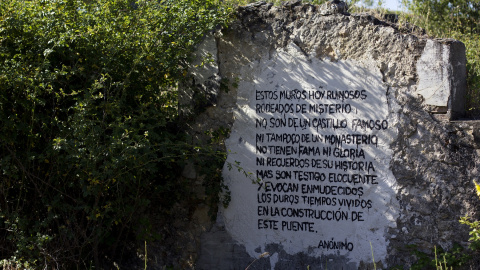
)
(430, 159)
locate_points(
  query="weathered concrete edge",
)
(442, 77)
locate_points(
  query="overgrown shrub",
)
(88, 111)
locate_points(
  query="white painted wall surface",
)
(287, 70)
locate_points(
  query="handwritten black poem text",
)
(312, 157)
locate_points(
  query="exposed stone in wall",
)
(441, 61)
(433, 161)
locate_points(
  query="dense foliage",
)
(459, 19)
(88, 112)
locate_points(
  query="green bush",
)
(88, 119)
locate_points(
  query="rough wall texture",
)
(434, 160)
